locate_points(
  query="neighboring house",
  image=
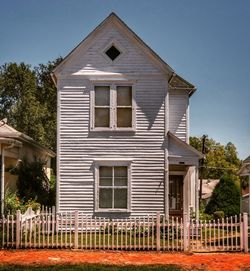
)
(208, 186)
(245, 198)
(123, 129)
(14, 146)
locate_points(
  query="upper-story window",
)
(113, 108)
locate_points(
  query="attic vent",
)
(112, 52)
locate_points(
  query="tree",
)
(28, 100)
(18, 101)
(225, 197)
(219, 160)
(47, 96)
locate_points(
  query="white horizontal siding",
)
(178, 106)
(79, 147)
(90, 58)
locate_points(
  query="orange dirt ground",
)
(207, 262)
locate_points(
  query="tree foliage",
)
(33, 182)
(28, 100)
(225, 197)
(219, 160)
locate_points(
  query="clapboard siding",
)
(90, 58)
(79, 147)
(178, 106)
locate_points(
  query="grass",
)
(90, 267)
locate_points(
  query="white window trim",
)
(113, 107)
(110, 163)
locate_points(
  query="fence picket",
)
(154, 232)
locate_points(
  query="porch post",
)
(166, 186)
(196, 193)
(2, 181)
(166, 154)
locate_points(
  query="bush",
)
(225, 197)
(12, 203)
(219, 215)
(33, 182)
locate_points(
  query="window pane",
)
(101, 117)
(105, 172)
(105, 198)
(124, 117)
(105, 175)
(124, 95)
(120, 181)
(120, 171)
(120, 198)
(120, 176)
(102, 95)
(105, 181)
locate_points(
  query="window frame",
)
(113, 107)
(112, 163)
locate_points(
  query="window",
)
(112, 52)
(112, 187)
(113, 108)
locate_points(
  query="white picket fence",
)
(75, 230)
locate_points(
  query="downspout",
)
(3, 175)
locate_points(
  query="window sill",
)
(112, 130)
(113, 211)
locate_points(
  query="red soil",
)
(207, 262)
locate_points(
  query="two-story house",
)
(123, 129)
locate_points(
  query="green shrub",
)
(219, 215)
(12, 203)
(225, 197)
(32, 182)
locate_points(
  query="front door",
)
(175, 195)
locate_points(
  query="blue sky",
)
(206, 42)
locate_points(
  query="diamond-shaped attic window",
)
(112, 52)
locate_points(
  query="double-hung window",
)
(112, 188)
(113, 107)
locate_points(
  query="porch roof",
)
(8, 135)
(182, 153)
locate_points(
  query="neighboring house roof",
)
(10, 135)
(208, 186)
(175, 80)
(245, 169)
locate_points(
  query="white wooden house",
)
(123, 129)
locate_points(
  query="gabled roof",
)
(186, 146)
(177, 82)
(115, 19)
(7, 132)
(245, 169)
(247, 160)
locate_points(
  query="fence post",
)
(245, 232)
(18, 229)
(185, 232)
(76, 231)
(53, 210)
(158, 232)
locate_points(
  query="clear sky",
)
(206, 42)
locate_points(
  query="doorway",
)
(175, 195)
